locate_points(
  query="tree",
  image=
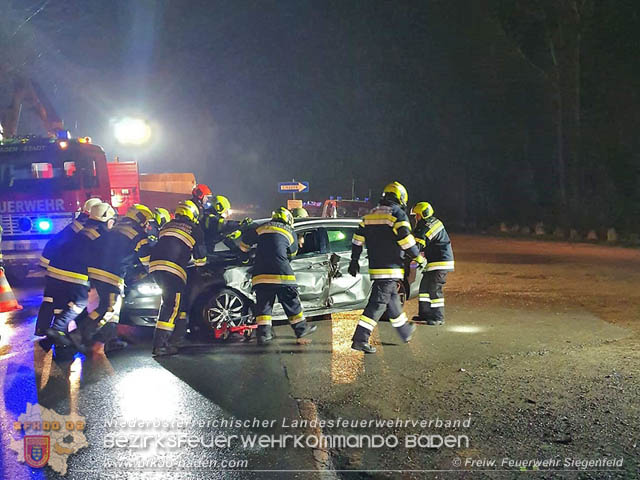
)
(547, 34)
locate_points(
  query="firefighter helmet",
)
(86, 208)
(102, 212)
(161, 216)
(139, 213)
(200, 192)
(299, 212)
(396, 192)
(221, 204)
(422, 210)
(189, 210)
(282, 215)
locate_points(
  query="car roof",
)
(326, 222)
(320, 222)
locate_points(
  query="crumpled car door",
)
(311, 268)
(346, 291)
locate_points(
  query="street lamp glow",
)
(132, 131)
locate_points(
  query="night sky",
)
(249, 93)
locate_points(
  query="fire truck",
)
(43, 183)
(44, 180)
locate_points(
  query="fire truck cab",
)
(44, 181)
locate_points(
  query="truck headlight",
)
(148, 289)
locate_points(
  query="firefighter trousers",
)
(73, 298)
(171, 326)
(51, 305)
(107, 311)
(431, 305)
(384, 297)
(288, 297)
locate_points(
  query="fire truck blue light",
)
(44, 225)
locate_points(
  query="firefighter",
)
(179, 241)
(387, 232)
(116, 253)
(160, 217)
(299, 212)
(272, 273)
(202, 197)
(45, 314)
(67, 232)
(434, 241)
(217, 227)
(68, 272)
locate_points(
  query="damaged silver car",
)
(221, 291)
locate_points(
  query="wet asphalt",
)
(239, 380)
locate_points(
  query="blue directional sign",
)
(293, 187)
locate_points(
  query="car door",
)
(311, 268)
(346, 292)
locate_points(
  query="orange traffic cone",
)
(8, 302)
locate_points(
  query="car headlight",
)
(148, 289)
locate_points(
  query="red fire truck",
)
(43, 182)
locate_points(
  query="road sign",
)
(291, 204)
(293, 187)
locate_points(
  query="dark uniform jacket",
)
(178, 241)
(70, 262)
(277, 243)
(432, 236)
(1, 260)
(216, 228)
(117, 251)
(56, 242)
(387, 233)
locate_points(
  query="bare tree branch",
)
(524, 57)
(30, 17)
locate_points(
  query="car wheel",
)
(224, 305)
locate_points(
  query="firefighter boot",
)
(264, 334)
(178, 338)
(58, 337)
(406, 331)
(302, 329)
(161, 345)
(363, 347)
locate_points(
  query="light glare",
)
(132, 131)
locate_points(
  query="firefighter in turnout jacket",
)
(115, 253)
(56, 243)
(387, 232)
(202, 197)
(179, 240)
(160, 217)
(272, 273)
(64, 235)
(216, 225)
(434, 240)
(68, 274)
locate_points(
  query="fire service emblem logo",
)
(36, 450)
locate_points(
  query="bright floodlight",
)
(132, 131)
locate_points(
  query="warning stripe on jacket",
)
(167, 266)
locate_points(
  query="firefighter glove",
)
(354, 268)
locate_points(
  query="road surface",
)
(538, 360)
